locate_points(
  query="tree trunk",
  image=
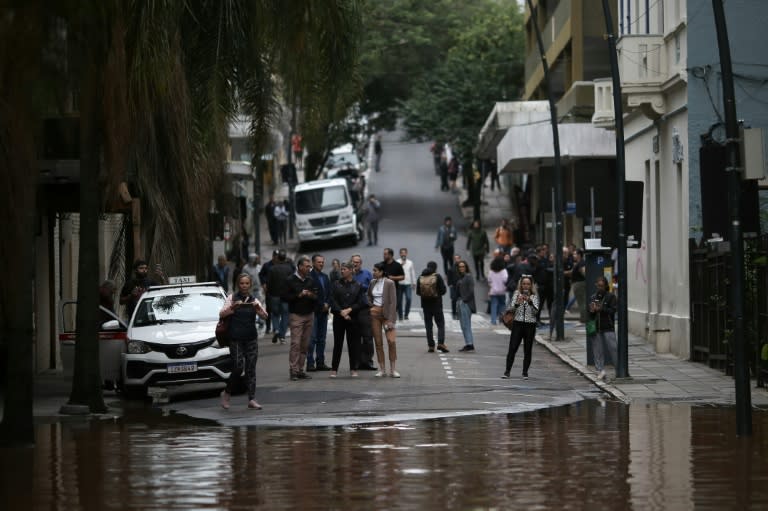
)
(87, 382)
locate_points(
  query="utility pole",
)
(733, 171)
(557, 178)
(622, 336)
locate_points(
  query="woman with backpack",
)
(431, 288)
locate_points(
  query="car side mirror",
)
(112, 324)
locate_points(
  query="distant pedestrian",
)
(335, 271)
(377, 152)
(383, 299)
(347, 300)
(405, 289)
(497, 288)
(578, 285)
(602, 307)
(431, 288)
(277, 285)
(301, 295)
(269, 214)
(525, 304)
(296, 149)
(503, 236)
(466, 302)
(478, 246)
(316, 352)
(446, 237)
(220, 273)
(242, 307)
(252, 268)
(437, 152)
(281, 218)
(493, 170)
(372, 217)
(453, 173)
(453, 279)
(444, 173)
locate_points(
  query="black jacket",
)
(348, 294)
(300, 304)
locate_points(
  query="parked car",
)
(340, 160)
(171, 338)
(112, 335)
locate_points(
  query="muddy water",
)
(592, 455)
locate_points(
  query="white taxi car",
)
(170, 338)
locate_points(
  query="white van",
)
(325, 210)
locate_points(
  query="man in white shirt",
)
(405, 289)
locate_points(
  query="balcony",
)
(604, 116)
(643, 71)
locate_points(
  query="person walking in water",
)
(525, 304)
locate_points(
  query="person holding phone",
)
(525, 303)
(383, 299)
(243, 347)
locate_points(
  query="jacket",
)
(477, 242)
(300, 304)
(526, 312)
(604, 318)
(323, 284)
(346, 294)
(389, 299)
(466, 288)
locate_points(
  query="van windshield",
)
(321, 199)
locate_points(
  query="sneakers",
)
(253, 405)
(431, 349)
(505, 376)
(322, 367)
(303, 376)
(380, 374)
(468, 347)
(332, 375)
(394, 374)
(311, 368)
(294, 376)
(354, 374)
(282, 340)
(601, 375)
(525, 376)
(225, 399)
(275, 338)
(443, 348)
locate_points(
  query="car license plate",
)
(187, 367)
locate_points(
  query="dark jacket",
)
(323, 284)
(604, 318)
(300, 304)
(429, 301)
(278, 277)
(348, 294)
(466, 288)
(477, 242)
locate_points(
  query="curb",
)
(602, 385)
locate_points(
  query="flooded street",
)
(593, 454)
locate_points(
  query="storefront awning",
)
(526, 148)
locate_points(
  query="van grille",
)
(321, 222)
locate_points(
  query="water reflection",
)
(591, 454)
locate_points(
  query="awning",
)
(504, 115)
(526, 148)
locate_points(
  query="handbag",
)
(508, 318)
(222, 332)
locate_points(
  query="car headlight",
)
(137, 347)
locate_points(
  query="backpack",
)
(428, 286)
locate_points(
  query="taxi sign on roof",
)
(182, 279)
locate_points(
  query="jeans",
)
(600, 342)
(317, 343)
(373, 232)
(404, 298)
(465, 320)
(497, 307)
(279, 314)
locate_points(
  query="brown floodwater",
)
(591, 455)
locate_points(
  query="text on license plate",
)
(187, 367)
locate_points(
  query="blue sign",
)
(570, 208)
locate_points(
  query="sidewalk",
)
(651, 375)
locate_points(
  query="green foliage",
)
(406, 40)
(485, 65)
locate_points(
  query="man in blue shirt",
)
(316, 352)
(364, 277)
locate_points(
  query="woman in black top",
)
(525, 303)
(347, 300)
(243, 307)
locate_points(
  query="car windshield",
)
(321, 199)
(343, 159)
(181, 308)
